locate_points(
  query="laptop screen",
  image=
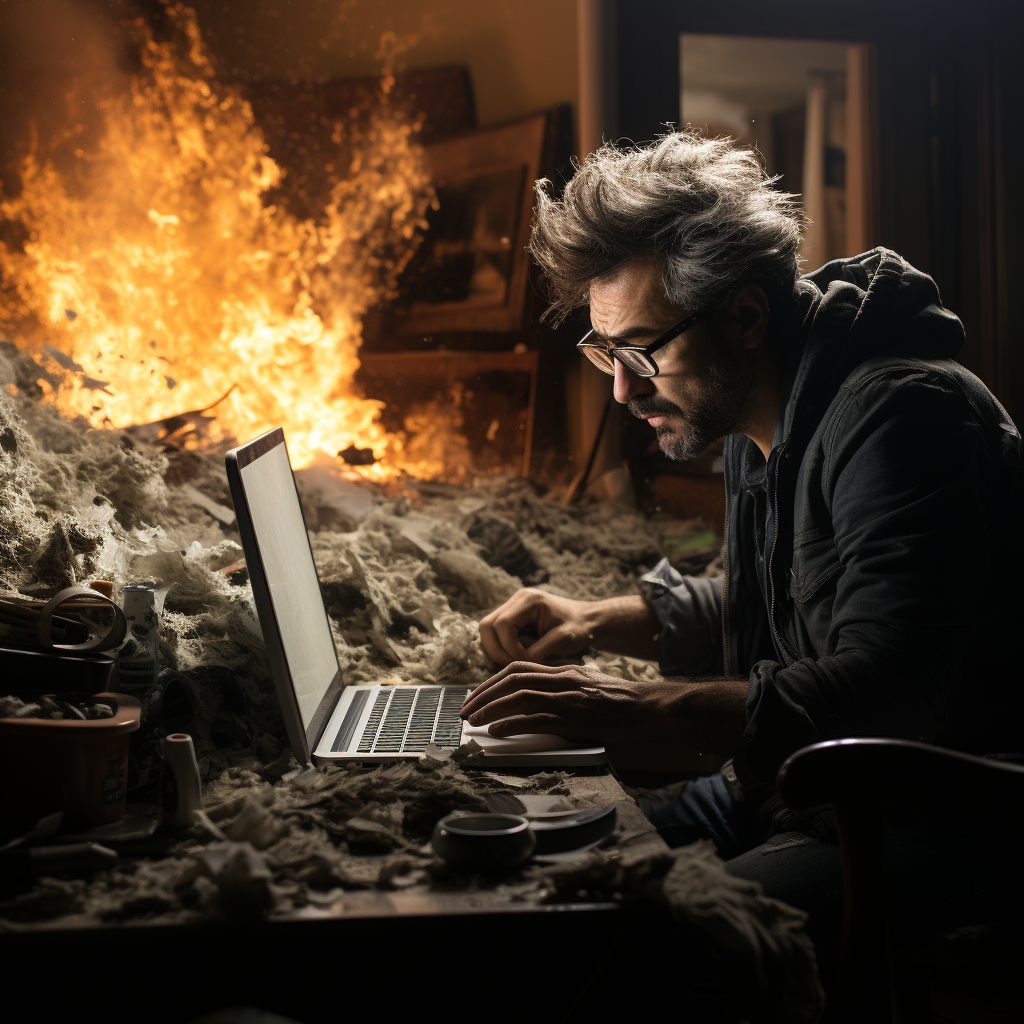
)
(291, 578)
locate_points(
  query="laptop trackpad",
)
(523, 743)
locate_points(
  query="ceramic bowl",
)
(477, 841)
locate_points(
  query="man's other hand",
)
(559, 627)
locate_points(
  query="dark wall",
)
(949, 125)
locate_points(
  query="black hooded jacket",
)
(873, 582)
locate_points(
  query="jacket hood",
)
(856, 309)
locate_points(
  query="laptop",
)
(328, 721)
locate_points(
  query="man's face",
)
(705, 380)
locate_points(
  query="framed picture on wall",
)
(470, 273)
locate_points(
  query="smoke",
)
(58, 59)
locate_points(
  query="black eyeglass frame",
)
(645, 352)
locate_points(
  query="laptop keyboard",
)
(404, 719)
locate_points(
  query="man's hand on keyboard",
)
(670, 720)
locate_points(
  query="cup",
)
(474, 841)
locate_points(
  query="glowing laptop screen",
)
(291, 577)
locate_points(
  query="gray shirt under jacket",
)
(884, 595)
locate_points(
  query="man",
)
(873, 536)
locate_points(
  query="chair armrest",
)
(903, 772)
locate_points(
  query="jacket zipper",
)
(726, 654)
(776, 635)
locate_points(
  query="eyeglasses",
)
(638, 359)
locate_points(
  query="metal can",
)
(137, 656)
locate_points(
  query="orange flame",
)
(169, 280)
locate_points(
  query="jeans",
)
(938, 878)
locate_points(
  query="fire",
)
(158, 277)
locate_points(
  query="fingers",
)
(511, 643)
(552, 725)
(521, 672)
(555, 643)
(516, 668)
(500, 641)
(560, 625)
(499, 631)
(522, 702)
(554, 681)
(532, 711)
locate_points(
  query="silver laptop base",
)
(391, 723)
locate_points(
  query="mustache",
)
(649, 405)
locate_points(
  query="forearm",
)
(625, 625)
(691, 728)
(709, 716)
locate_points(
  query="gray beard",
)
(722, 403)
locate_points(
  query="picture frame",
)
(472, 269)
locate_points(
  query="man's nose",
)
(628, 385)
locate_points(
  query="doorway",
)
(806, 106)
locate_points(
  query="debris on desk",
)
(240, 875)
(48, 899)
(254, 823)
(466, 753)
(304, 845)
(274, 849)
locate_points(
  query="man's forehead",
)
(630, 295)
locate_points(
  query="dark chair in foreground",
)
(858, 778)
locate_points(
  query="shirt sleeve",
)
(910, 478)
(689, 611)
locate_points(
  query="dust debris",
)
(405, 574)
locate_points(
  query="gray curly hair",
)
(704, 207)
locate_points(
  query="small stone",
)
(50, 707)
(10, 706)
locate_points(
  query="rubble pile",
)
(406, 575)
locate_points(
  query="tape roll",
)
(73, 605)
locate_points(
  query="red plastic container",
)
(80, 768)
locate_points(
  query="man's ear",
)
(750, 307)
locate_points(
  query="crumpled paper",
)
(240, 877)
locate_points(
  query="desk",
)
(558, 953)
(482, 953)
(634, 836)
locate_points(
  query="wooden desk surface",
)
(367, 893)
(634, 836)
(304, 966)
